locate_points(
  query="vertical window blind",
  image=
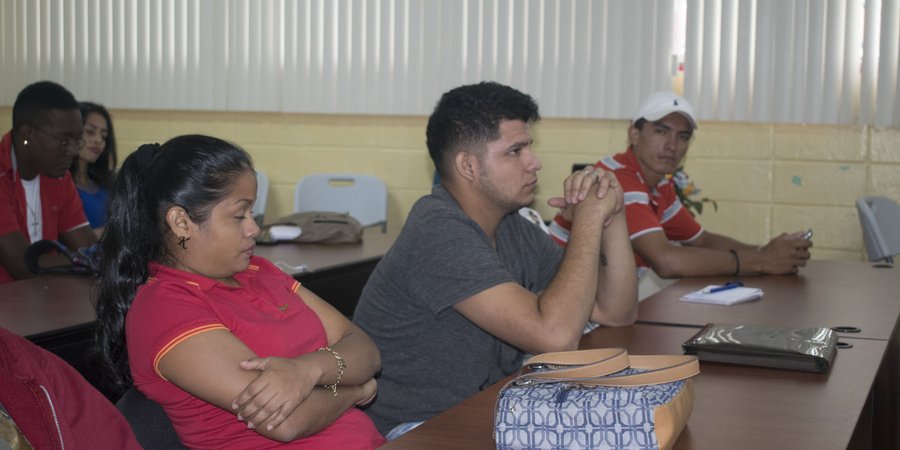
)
(578, 58)
(829, 61)
(802, 61)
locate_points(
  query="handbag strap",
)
(656, 369)
(577, 364)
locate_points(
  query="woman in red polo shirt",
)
(237, 353)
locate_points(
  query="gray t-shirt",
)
(432, 356)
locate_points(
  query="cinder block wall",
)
(766, 178)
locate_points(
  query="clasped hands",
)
(282, 385)
(607, 199)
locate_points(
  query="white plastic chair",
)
(880, 220)
(363, 196)
(262, 195)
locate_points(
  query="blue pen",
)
(725, 287)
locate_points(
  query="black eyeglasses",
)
(65, 143)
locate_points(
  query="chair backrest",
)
(262, 196)
(363, 196)
(880, 220)
(149, 421)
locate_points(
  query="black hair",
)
(38, 98)
(101, 171)
(194, 172)
(469, 117)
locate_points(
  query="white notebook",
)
(726, 297)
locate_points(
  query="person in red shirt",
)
(50, 405)
(38, 199)
(237, 353)
(664, 235)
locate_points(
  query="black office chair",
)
(149, 421)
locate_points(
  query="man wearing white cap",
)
(659, 136)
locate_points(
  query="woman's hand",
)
(282, 384)
(367, 392)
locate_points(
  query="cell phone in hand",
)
(808, 235)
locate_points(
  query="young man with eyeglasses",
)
(38, 199)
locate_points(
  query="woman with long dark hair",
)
(94, 168)
(237, 353)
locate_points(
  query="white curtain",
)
(579, 58)
(801, 61)
(806, 61)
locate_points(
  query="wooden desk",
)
(335, 272)
(735, 406)
(854, 405)
(45, 305)
(324, 257)
(825, 293)
(755, 407)
(53, 304)
(56, 312)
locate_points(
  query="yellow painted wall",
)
(766, 178)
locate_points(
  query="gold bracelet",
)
(341, 366)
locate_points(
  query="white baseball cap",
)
(661, 104)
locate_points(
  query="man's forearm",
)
(616, 297)
(682, 261)
(569, 299)
(12, 255)
(714, 241)
(79, 237)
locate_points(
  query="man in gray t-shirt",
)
(470, 286)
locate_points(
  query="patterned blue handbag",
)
(596, 399)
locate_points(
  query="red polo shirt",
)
(60, 203)
(264, 312)
(647, 208)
